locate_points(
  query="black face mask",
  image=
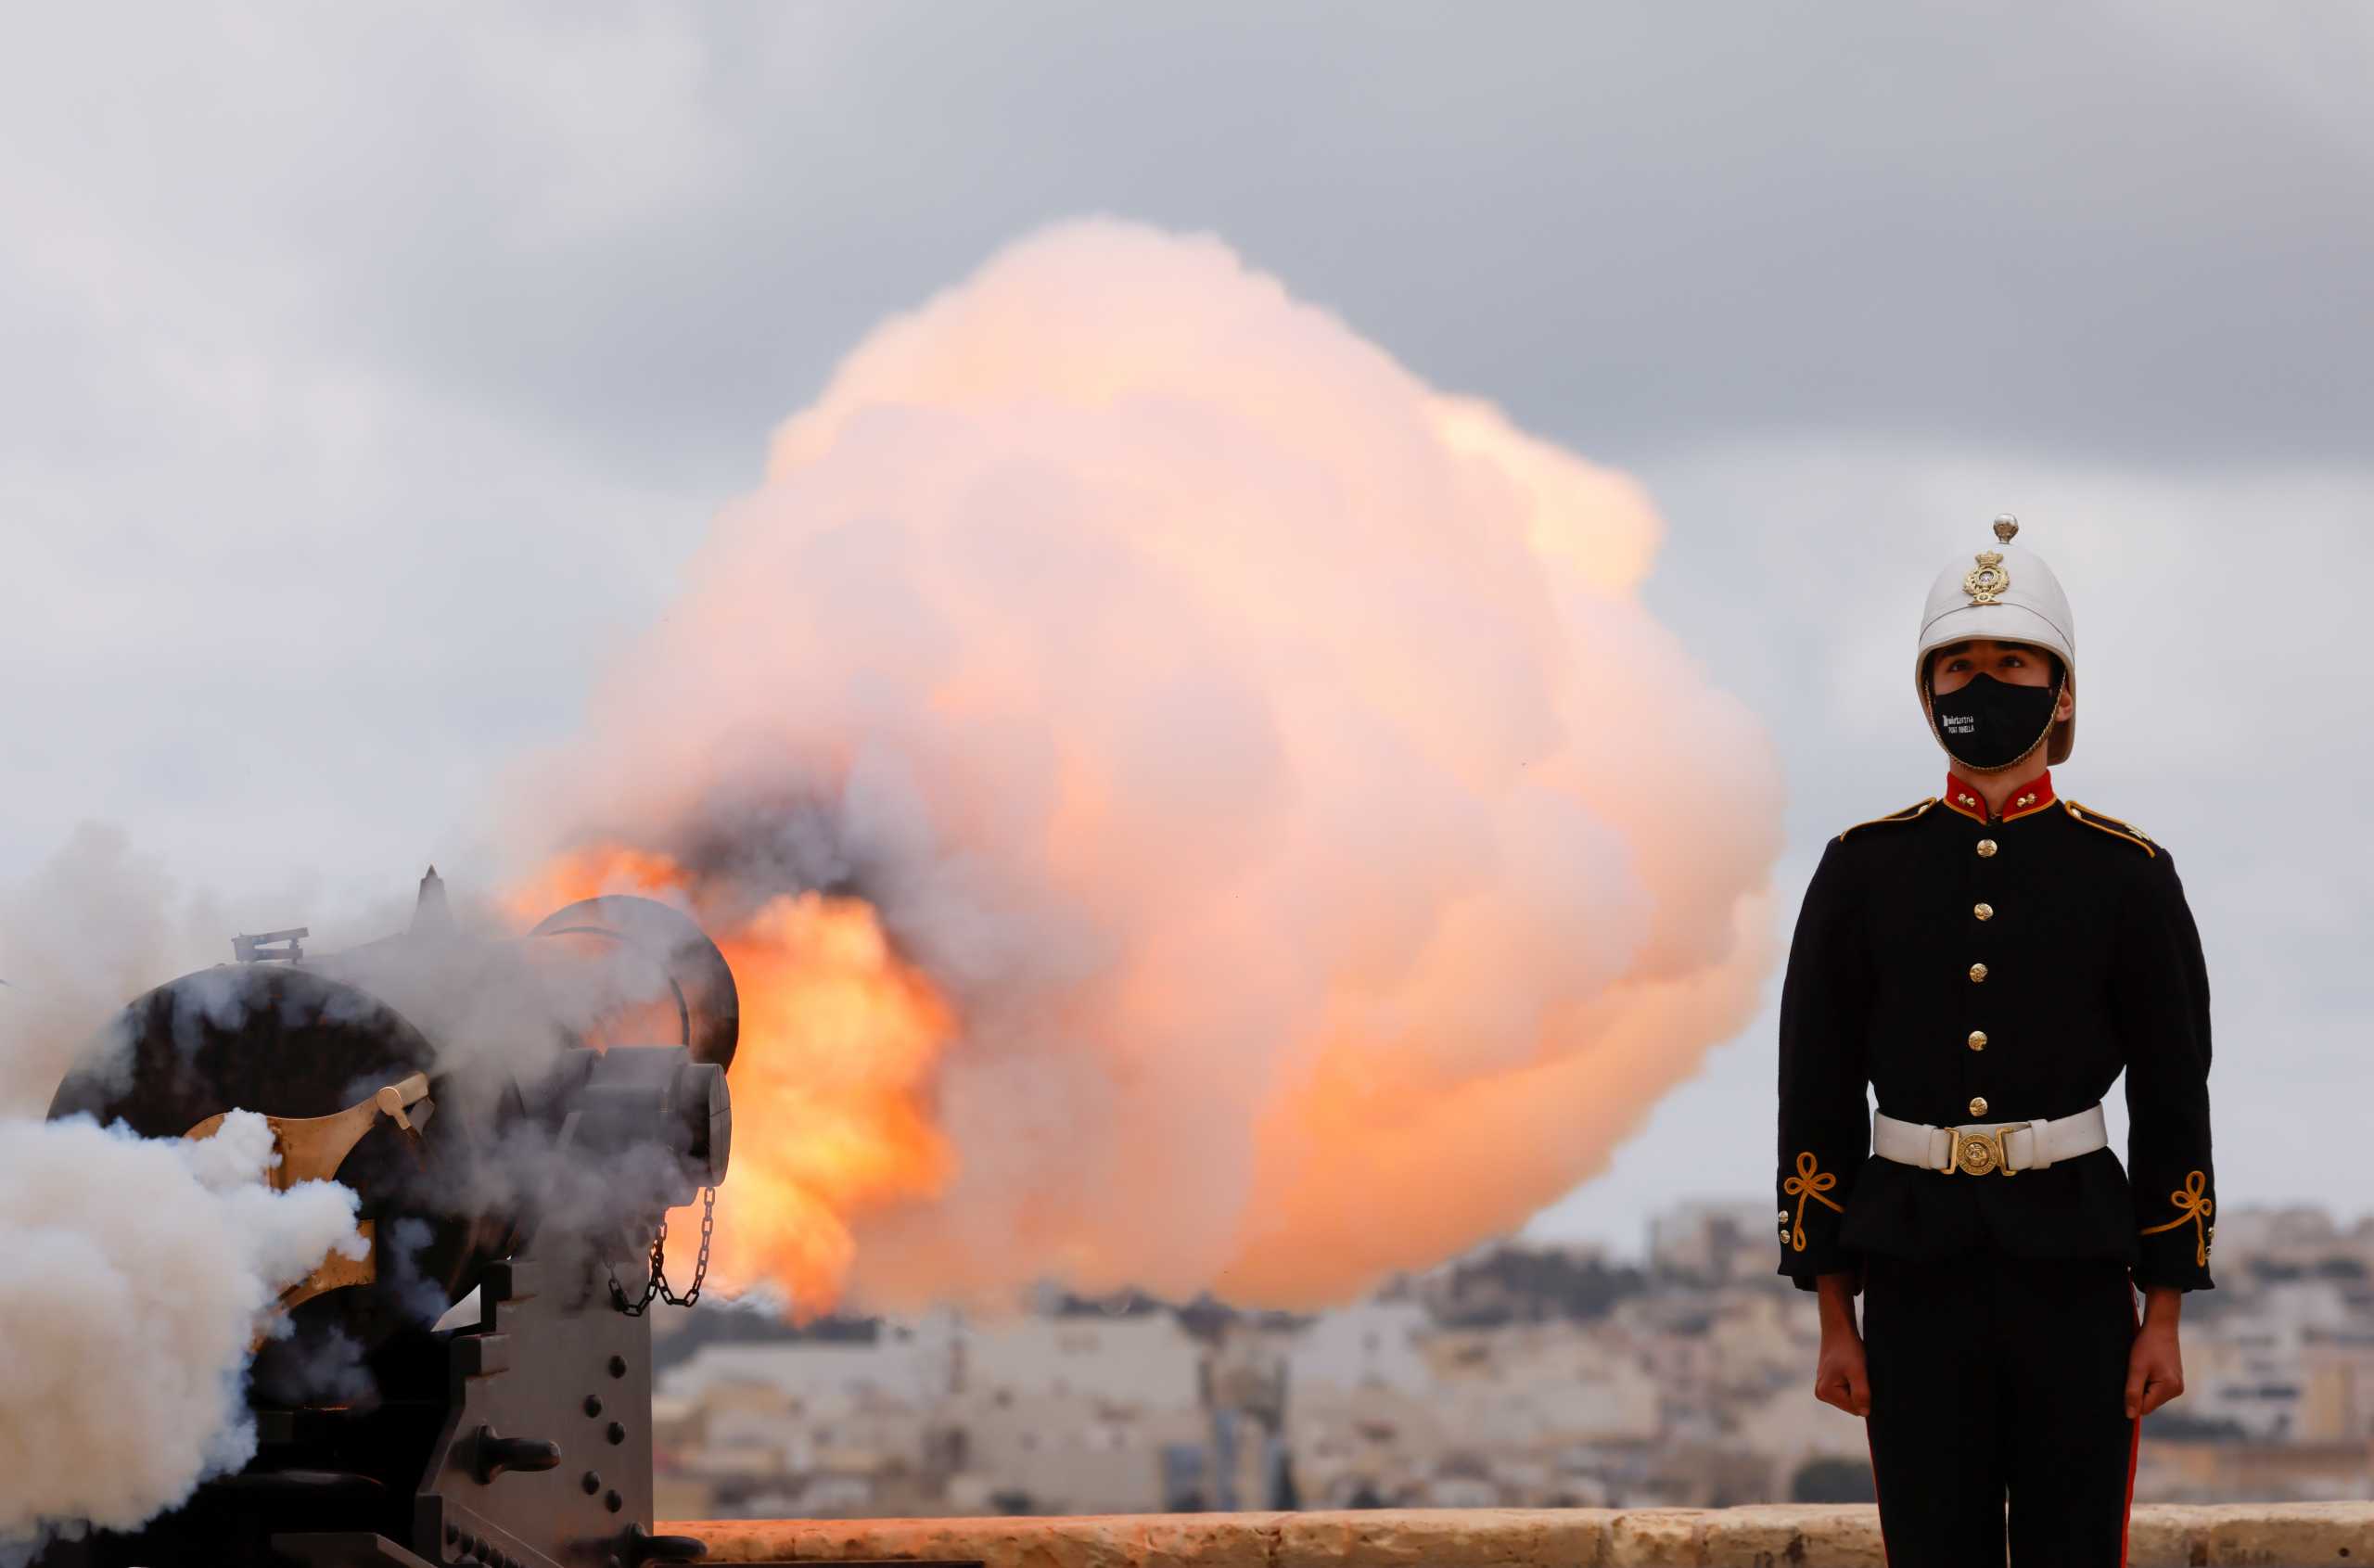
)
(1991, 723)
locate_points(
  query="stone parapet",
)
(2291, 1535)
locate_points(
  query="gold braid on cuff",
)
(2193, 1206)
(1809, 1182)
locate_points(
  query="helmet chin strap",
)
(2020, 761)
(1928, 709)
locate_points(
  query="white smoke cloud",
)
(138, 1273)
(84, 933)
(1317, 857)
(1324, 858)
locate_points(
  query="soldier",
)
(1989, 962)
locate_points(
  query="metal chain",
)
(700, 1264)
(657, 1285)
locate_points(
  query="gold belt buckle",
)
(1979, 1152)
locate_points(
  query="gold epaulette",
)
(2110, 825)
(1908, 814)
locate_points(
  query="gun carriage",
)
(517, 1117)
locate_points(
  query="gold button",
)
(1978, 1105)
(1983, 911)
(1987, 848)
(1978, 1040)
(1977, 973)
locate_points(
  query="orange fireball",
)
(831, 1083)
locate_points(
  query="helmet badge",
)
(1987, 582)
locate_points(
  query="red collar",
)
(2026, 801)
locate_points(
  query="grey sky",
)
(370, 370)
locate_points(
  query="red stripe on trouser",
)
(2134, 1447)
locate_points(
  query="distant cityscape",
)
(1519, 1375)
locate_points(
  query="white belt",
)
(1981, 1147)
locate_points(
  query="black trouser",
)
(1996, 1377)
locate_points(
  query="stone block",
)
(1788, 1535)
(1183, 1541)
(1443, 1538)
(1655, 1537)
(2291, 1535)
(2167, 1535)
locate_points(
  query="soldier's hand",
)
(2155, 1370)
(1840, 1376)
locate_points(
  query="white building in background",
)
(1789, 1427)
(894, 1368)
(1073, 1413)
(2285, 1372)
(1715, 1241)
(1759, 1339)
(1378, 1345)
(1078, 1454)
(2297, 1237)
(1145, 1362)
(1361, 1446)
(1538, 1390)
(1079, 1413)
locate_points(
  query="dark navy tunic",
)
(1978, 970)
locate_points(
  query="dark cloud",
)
(2099, 228)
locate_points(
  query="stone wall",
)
(2292, 1535)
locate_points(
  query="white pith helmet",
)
(2007, 596)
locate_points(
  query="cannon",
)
(518, 1116)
